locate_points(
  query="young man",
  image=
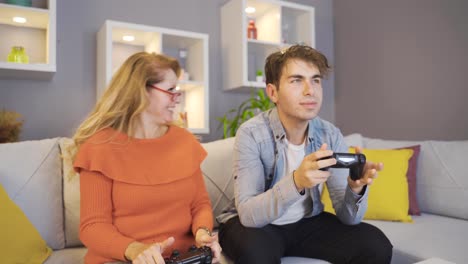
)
(277, 160)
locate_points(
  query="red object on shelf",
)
(251, 30)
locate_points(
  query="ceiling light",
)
(250, 10)
(128, 38)
(21, 20)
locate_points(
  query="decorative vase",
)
(18, 55)
(183, 54)
(251, 30)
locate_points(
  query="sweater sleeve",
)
(202, 213)
(96, 229)
(201, 207)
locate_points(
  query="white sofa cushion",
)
(217, 172)
(30, 171)
(354, 140)
(375, 143)
(443, 182)
(428, 236)
(71, 195)
(442, 179)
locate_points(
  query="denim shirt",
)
(262, 193)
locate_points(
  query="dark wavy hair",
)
(275, 62)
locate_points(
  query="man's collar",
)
(276, 126)
(278, 130)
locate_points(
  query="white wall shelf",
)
(112, 51)
(37, 35)
(279, 24)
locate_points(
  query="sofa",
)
(37, 176)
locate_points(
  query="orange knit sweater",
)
(140, 190)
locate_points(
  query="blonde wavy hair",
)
(126, 96)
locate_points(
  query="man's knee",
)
(252, 252)
(258, 256)
(383, 248)
(375, 245)
(249, 245)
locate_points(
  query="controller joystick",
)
(354, 162)
(175, 253)
(192, 248)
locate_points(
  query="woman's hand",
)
(140, 253)
(369, 174)
(203, 238)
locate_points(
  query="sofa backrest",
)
(30, 172)
(71, 195)
(47, 190)
(442, 177)
(217, 172)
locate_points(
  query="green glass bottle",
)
(18, 55)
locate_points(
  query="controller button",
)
(192, 248)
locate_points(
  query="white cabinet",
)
(279, 24)
(37, 34)
(113, 51)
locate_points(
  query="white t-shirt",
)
(294, 156)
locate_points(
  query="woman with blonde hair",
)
(142, 191)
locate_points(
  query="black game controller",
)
(354, 162)
(194, 255)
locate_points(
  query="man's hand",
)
(309, 174)
(203, 238)
(369, 174)
(140, 253)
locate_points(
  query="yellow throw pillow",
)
(20, 242)
(388, 194)
(327, 203)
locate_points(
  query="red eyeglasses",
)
(173, 95)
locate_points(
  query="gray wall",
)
(401, 68)
(56, 107)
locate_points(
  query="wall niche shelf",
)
(279, 24)
(112, 51)
(37, 35)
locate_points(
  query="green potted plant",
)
(231, 121)
(259, 76)
(10, 126)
